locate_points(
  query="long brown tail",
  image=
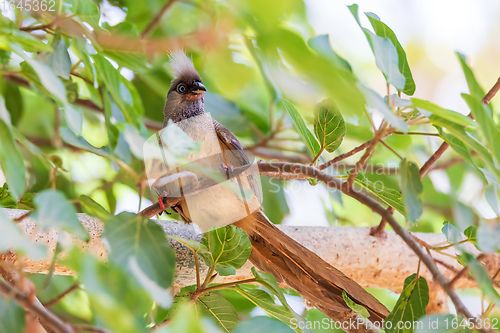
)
(303, 270)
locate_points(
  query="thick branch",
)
(372, 262)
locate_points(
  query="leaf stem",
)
(317, 156)
(208, 277)
(227, 285)
(392, 150)
(416, 133)
(197, 267)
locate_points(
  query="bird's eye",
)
(181, 88)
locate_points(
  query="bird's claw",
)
(162, 205)
(228, 170)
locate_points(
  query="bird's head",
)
(187, 87)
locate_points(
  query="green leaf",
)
(274, 202)
(73, 118)
(329, 126)
(78, 141)
(355, 307)
(139, 246)
(47, 77)
(132, 59)
(339, 83)
(12, 162)
(58, 60)
(410, 305)
(482, 278)
(488, 235)
(116, 299)
(6, 200)
(123, 91)
(459, 132)
(301, 127)
(14, 103)
(185, 320)
(321, 44)
(261, 324)
(382, 30)
(266, 302)
(384, 50)
(453, 235)
(388, 195)
(190, 244)
(439, 111)
(83, 50)
(55, 87)
(55, 211)
(86, 10)
(218, 309)
(26, 40)
(269, 281)
(386, 59)
(471, 234)
(491, 194)
(460, 148)
(376, 102)
(229, 248)
(92, 208)
(411, 187)
(474, 87)
(12, 238)
(12, 316)
(483, 115)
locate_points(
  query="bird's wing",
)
(236, 157)
(228, 141)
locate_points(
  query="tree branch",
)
(157, 18)
(380, 263)
(34, 306)
(374, 206)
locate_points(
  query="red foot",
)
(228, 170)
(162, 206)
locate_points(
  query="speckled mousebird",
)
(272, 250)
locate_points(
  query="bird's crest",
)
(181, 65)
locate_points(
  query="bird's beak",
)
(198, 88)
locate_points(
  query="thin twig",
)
(317, 156)
(493, 91)
(157, 18)
(380, 229)
(345, 155)
(280, 157)
(430, 162)
(22, 217)
(362, 161)
(416, 133)
(392, 150)
(90, 329)
(34, 306)
(59, 297)
(224, 286)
